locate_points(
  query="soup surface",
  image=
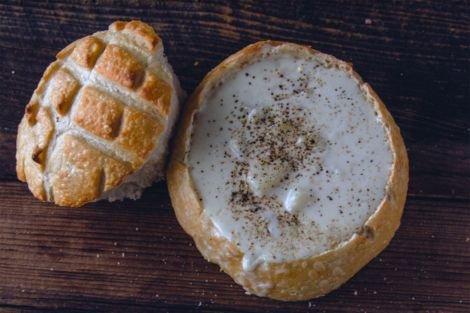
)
(289, 158)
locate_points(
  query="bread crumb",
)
(196, 63)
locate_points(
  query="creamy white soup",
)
(289, 158)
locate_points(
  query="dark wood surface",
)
(134, 256)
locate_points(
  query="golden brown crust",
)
(31, 111)
(104, 116)
(120, 66)
(50, 70)
(32, 145)
(138, 132)
(63, 89)
(299, 279)
(43, 131)
(157, 91)
(89, 124)
(141, 33)
(65, 52)
(86, 51)
(98, 113)
(80, 173)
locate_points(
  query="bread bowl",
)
(262, 117)
(99, 120)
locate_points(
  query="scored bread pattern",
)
(96, 115)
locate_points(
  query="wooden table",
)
(134, 256)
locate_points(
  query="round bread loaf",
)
(288, 171)
(98, 123)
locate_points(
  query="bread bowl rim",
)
(300, 279)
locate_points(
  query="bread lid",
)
(101, 111)
(285, 157)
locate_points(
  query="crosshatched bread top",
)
(98, 123)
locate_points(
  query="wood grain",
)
(134, 256)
